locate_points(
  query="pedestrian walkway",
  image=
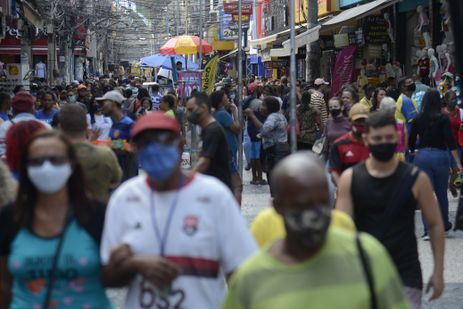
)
(256, 198)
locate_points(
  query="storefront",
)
(357, 44)
(426, 45)
(10, 56)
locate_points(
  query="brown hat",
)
(358, 111)
(22, 102)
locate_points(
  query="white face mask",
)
(49, 178)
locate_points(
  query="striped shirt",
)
(333, 278)
(318, 101)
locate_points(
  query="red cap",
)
(81, 87)
(252, 87)
(155, 121)
(22, 102)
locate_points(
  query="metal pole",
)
(240, 85)
(201, 34)
(293, 78)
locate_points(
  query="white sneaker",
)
(425, 237)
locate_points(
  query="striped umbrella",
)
(185, 45)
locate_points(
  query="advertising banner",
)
(344, 67)
(187, 82)
(210, 72)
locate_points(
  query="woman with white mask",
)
(49, 237)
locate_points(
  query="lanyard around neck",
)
(162, 238)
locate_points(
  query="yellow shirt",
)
(268, 226)
(170, 113)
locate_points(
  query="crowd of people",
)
(78, 217)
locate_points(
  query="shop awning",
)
(306, 37)
(31, 14)
(230, 54)
(10, 50)
(270, 38)
(357, 13)
(280, 52)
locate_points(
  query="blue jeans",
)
(436, 164)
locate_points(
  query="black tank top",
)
(371, 197)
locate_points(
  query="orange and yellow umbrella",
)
(185, 45)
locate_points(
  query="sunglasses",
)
(54, 160)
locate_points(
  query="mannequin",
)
(40, 70)
(389, 70)
(446, 60)
(433, 67)
(423, 25)
(390, 32)
(398, 70)
(422, 65)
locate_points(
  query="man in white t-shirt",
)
(173, 238)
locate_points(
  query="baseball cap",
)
(358, 111)
(22, 102)
(253, 86)
(320, 81)
(155, 121)
(112, 95)
(81, 87)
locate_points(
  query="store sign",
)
(343, 3)
(231, 7)
(375, 29)
(229, 28)
(244, 18)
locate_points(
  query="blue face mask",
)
(159, 161)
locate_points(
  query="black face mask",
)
(335, 112)
(383, 152)
(411, 87)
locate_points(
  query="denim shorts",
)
(255, 150)
(233, 164)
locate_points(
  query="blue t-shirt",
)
(121, 129)
(4, 116)
(77, 277)
(155, 100)
(46, 117)
(226, 120)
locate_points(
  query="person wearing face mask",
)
(434, 131)
(214, 157)
(50, 236)
(303, 269)
(382, 195)
(182, 232)
(337, 125)
(452, 110)
(71, 97)
(406, 109)
(349, 149)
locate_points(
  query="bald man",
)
(313, 264)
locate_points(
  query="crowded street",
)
(231, 154)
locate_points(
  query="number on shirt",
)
(149, 297)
